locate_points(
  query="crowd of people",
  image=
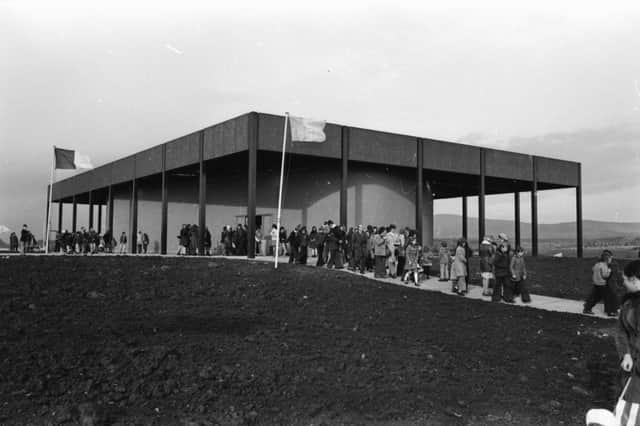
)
(189, 240)
(384, 250)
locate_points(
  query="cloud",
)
(610, 156)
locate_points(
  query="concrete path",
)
(475, 292)
(432, 284)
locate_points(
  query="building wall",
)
(377, 195)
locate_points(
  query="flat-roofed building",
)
(229, 172)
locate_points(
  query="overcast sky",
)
(559, 79)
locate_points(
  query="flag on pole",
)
(307, 130)
(70, 159)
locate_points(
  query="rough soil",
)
(148, 340)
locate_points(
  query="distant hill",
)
(3, 245)
(450, 226)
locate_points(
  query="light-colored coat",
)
(459, 268)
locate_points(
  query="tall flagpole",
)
(46, 236)
(284, 144)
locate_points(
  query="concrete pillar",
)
(251, 190)
(99, 218)
(427, 215)
(90, 209)
(534, 208)
(580, 244)
(110, 211)
(465, 219)
(419, 188)
(481, 196)
(74, 215)
(133, 216)
(516, 220)
(60, 204)
(202, 195)
(344, 175)
(164, 207)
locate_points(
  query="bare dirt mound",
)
(123, 340)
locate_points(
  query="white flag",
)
(82, 161)
(307, 130)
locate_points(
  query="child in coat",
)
(501, 263)
(519, 275)
(445, 257)
(413, 254)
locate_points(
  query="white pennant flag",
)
(82, 161)
(307, 130)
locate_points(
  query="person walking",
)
(459, 269)
(601, 271)
(123, 243)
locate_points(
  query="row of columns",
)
(534, 209)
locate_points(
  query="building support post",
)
(74, 215)
(202, 195)
(534, 208)
(164, 208)
(344, 175)
(516, 219)
(99, 218)
(579, 251)
(133, 216)
(481, 197)
(251, 190)
(465, 218)
(419, 188)
(60, 204)
(90, 209)
(110, 212)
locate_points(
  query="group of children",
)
(503, 271)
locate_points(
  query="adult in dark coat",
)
(292, 242)
(331, 245)
(207, 241)
(303, 243)
(14, 244)
(194, 238)
(615, 289)
(501, 265)
(337, 255)
(320, 242)
(25, 238)
(360, 248)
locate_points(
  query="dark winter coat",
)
(501, 264)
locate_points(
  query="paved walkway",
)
(432, 284)
(475, 292)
